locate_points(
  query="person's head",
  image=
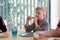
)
(40, 13)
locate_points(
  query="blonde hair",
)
(43, 9)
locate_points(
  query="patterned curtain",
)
(14, 12)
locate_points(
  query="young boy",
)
(39, 23)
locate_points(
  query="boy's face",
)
(39, 14)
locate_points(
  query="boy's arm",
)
(42, 27)
(29, 28)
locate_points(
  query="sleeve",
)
(4, 29)
(42, 27)
(29, 28)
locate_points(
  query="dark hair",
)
(2, 25)
(1, 21)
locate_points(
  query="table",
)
(26, 38)
(10, 37)
(50, 38)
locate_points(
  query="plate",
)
(26, 34)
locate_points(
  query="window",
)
(16, 11)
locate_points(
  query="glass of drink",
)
(36, 36)
(14, 31)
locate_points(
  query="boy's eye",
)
(38, 13)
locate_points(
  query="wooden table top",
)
(10, 37)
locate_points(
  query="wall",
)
(55, 13)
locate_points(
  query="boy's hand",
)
(27, 20)
(35, 21)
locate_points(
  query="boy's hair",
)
(43, 9)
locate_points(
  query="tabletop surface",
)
(10, 37)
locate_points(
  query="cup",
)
(14, 31)
(36, 36)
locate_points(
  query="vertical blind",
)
(16, 11)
